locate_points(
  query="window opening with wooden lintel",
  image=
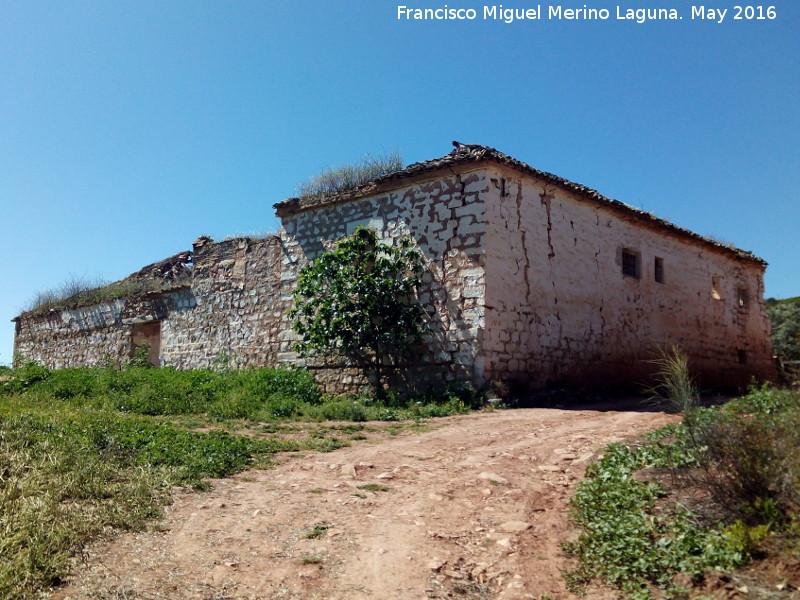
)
(630, 263)
(147, 335)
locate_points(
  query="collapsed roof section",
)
(168, 274)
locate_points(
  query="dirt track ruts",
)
(475, 508)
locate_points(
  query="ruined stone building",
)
(530, 278)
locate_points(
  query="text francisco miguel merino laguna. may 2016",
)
(498, 12)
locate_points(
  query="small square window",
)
(658, 269)
(716, 287)
(742, 355)
(630, 263)
(742, 297)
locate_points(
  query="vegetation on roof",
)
(253, 236)
(339, 179)
(83, 291)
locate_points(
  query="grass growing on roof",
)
(82, 291)
(338, 179)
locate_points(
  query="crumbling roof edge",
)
(173, 269)
(465, 154)
(35, 313)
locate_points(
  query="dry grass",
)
(338, 179)
(82, 291)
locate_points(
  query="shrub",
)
(237, 404)
(628, 543)
(673, 383)
(785, 317)
(751, 457)
(358, 301)
(282, 406)
(744, 455)
(343, 409)
(289, 381)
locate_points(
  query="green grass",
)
(317, 531)
(624, 540)
(67, 475)
(637, 537)
(80, 291)
(373, 487)
(226, 395)
(91, 451)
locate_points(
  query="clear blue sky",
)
(129, 128)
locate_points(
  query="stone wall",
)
(524, 282)
(445, 217)
(241, 296)
(94, 335)
(560, 310)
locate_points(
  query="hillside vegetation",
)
(711, 494)
(785, 317)
(87, 451)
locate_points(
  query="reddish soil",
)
(475, 508)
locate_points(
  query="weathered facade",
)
(530, 278)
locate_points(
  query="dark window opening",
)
(743, 297)
(658, 269)
(742, 357)
(630, 263)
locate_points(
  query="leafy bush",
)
(358, 301)
(752, 453)
(339, 179)
(785, 317)
(341, 409)
(765, 400)
(744, 455)
(628, 543)
(283, 406)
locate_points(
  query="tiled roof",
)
(465, 154)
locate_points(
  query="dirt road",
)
(475, 508)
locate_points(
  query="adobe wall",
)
(446, 219)
(560, 310)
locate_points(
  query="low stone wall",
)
(99, 334)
